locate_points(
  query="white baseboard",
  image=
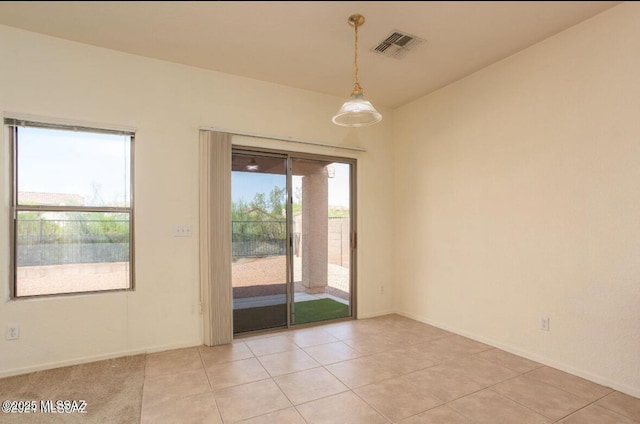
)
(376, 314)
(632, 391)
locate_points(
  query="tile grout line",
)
(215, 401)
(593, 403)
(350, 389)
(144, 381)
(526, 374)
(371, 406)
(523, 405)
(636, 419)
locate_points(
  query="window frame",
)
(12, 126)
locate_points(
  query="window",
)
(72, 210)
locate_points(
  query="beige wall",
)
(167, 104)
(519, 194)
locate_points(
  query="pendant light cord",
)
(357, 88)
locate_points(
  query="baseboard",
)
(377, 314)
(631, 391)
(94, 358)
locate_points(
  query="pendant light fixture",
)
(252, 165)
(357, 111)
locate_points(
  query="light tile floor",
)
(379, 370)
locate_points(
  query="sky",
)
(92, 165)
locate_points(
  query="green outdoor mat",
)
(319, 310)
(274, 316)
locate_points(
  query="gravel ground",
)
(271, 271)
(36, 280)
(251, 277)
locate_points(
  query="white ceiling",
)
(309, 45)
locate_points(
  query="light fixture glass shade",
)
(357, 112)
(252, 165)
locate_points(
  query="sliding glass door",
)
(292, 232)
(259, 241)
(321, 227)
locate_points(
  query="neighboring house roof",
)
(51, 199)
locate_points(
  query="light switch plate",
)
(182, 230)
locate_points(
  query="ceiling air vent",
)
(397, 44)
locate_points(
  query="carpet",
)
(112, 390)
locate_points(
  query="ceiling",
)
(309, 45)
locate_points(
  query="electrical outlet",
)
(182, 231)
(381, 288)
(544, 323)
(13, 332)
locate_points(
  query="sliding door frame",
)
(290, 156)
